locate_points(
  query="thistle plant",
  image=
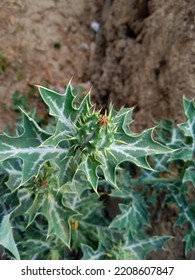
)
(54, 180)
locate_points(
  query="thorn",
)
(69, 83)
(94, 111)
(79, 121)
(75, 125)
(109, 152)
(88, 108)
(122, 142)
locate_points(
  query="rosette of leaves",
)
(84, 140)
(50, 171)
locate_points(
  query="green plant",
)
(55, 181)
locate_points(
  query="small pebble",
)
(95, 26)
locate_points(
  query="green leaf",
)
(170, 135)
(140, 248)
(49, 205)
(34, 244)
(134, 149)
(84, 140)
(27, 148)
(91, 217)
(189, 126)
(25, 201)
(124, 145)
(123, 119)
(14, 169)
(8, 200)
(57, 215)
(58, 218)
(187, 214)
(89, 167)
(62, 107)
(174, 137)
(133, 217)
(187, 209)
(6, 237)
(189, 240)
(60, 170)
(33, 249)
(189, 175)
(91, 254)
(34, 207)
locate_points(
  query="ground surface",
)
(42, 42)
(143, 55)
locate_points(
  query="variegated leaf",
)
(63, 108)
(27, 148)
(189, 126)
(58, 218)
(14, 169)
(187, 211)
(89, 167)
(91, 254)
(133, 217)
(189, 175)
(134, 149)
(34, 249)
(140, 248)
(45, 203)
(7, 238)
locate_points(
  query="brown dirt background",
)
(143, 55)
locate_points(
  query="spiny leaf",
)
(45, 203)
(26, 147)
(124, 145)
(62, 107)
(189, 175)
(33, 249)
(189, 126)
(14, 169)
(25, 201)
(34, 244)
(140, 248)
(189, 240)
(133, 217)
(80, 142)
(58, 218)
(91, 254)
(123, 119)
(6, 237)
(89, 167)
(136, 150)
(187, 211)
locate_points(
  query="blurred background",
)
(132, 52)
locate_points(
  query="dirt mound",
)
(145, 56)
(42, 42)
